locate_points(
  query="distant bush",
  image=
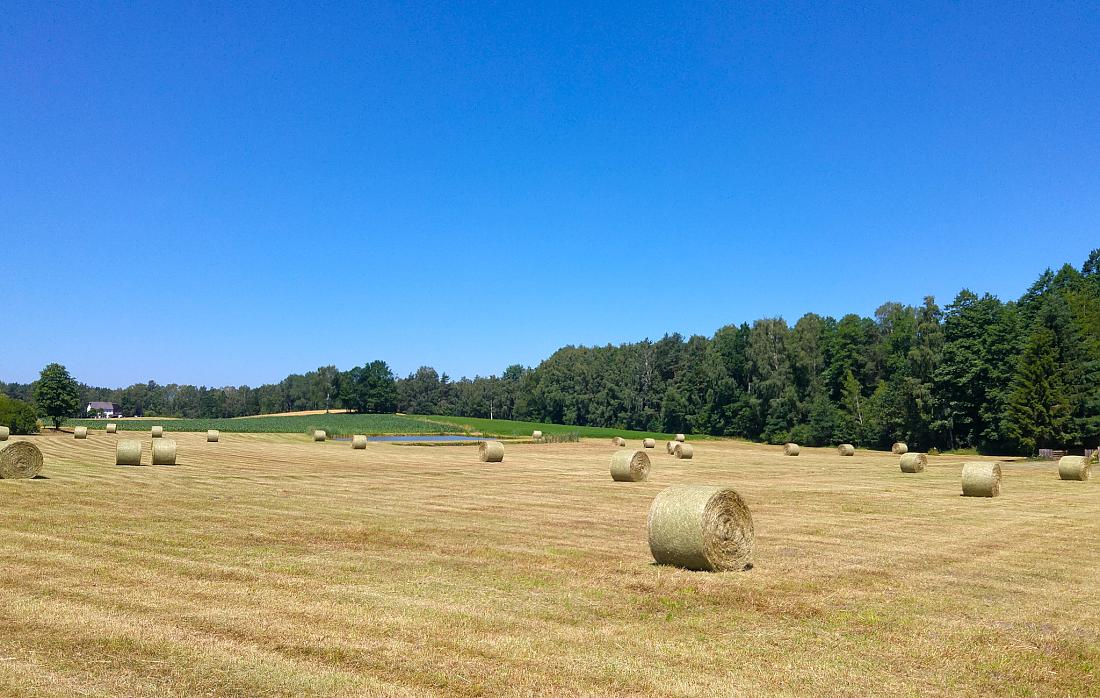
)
(933, 451)
(18, 416)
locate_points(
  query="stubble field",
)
(269, 565)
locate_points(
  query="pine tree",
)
(1039, 411)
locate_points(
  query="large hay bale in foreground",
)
(630, 466)
(618, 441)
(683, 451)
(913, 462)
(790, 449)
(490, 452)
(899, 449)
(164, 452)
(846, 449)
(157, 432)
(1074, 468)
(536, 434)
(80, 433)
(319, 435)
(680, 437)
(128, 452)
(649, 443)
(112, 428)
(700, 527)
(359, 441)
(213, 436)
(19, 460)
(4, 433)
(981, 479)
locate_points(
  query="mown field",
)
(371, 424)
(267, 565)
(333, 423)
(507, 427)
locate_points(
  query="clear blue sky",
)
(228, 193)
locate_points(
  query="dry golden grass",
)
(299, 413)
(272, 565)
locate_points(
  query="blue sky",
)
(223, 194)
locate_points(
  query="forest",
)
(1001, 377)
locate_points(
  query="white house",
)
(108, 409)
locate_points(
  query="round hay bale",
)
(669, 445)
(790, 449)
(913, 462)
(681, 438)
(319, 435)
(701, 527)
(536, 434)
(1074, 468)
(899, 449)
(80, 433)
(630, 466)
(164, 452)
(112, 428)
(4, 433)
(213, 436)
(490, 452)
(19, 460)
(846, 449)
(157, 432)
(649, 443)
(618, 441)
(981, 479)
(128, 452)
(683, 451)
(359, 441)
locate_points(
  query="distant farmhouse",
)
(104, 409)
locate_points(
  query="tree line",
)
(998, 376)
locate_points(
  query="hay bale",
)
(80, 433)
(112, 428)
(701, 527)
(4, 433)
(128, 452)
(157, 432)
(683, 451)
(913, 462)
(669, 445)
(649, 443)
(899, 449)
(1074, 468)
(630, 466)
(164, 452)
(981, 479)
(213, 436)
(359, 441)
(681, 438)
(619, 441)
(536, 434)
(20, 459)
(790, 449)
(490, 452)
(846, 449)
(319, 435)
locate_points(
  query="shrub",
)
(18, 416)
